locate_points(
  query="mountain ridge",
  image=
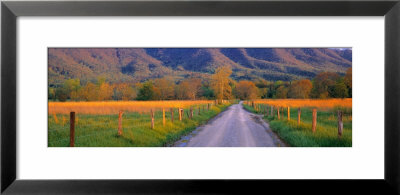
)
(139, 64)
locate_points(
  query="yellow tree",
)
(105, 91)
(220, 83)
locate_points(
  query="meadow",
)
(326, 134)
(96, 123)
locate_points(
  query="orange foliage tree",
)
(246, 90)
(300, 89)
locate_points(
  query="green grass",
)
(302, 135)
(101, 130)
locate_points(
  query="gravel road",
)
(235, 127)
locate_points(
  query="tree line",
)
(218, 86)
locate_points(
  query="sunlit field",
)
(301, 135)
(96, 123)
(113, 107)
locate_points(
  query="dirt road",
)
(234, 127)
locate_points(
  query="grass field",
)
(301, 135)
(100, 130)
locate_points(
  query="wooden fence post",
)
(163, 116)
(279, 116)
(199, 111)
(208, 107)
(152, 118)
(180, 114)
(172, 114)
(288, 113)
(340, 123)
(298, 115)
(314, 119)
(72, 129)
(191, 112)
(272, 110)
(120, 123)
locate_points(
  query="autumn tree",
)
(220, 83)
(89, 92)
(164, 88)
(194, 87)
(124, 91)
(246, 90)
(105, 92)
(300, 89)
(182, 90)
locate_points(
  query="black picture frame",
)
(11, 10)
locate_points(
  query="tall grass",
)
(110, 107)
(100, 130)
(301, 135)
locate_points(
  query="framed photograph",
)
(222, 97)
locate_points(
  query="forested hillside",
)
(132, 65)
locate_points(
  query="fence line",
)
(111, 121)
(263, 108)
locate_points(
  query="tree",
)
(146, 92)
(124, 91)
(52, 93)
(164, 88)
(340, 89)
(105, 92)
(324, 84)
(246, 90)
(281, 92)
(71, 87)
(349, 81)
(61, 94)
(220, 83)
(89, 92)
(263, 93)
(182, 90)
(194, 87)
(300, 89)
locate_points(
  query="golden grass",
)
(314, 103)
(113, 107)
